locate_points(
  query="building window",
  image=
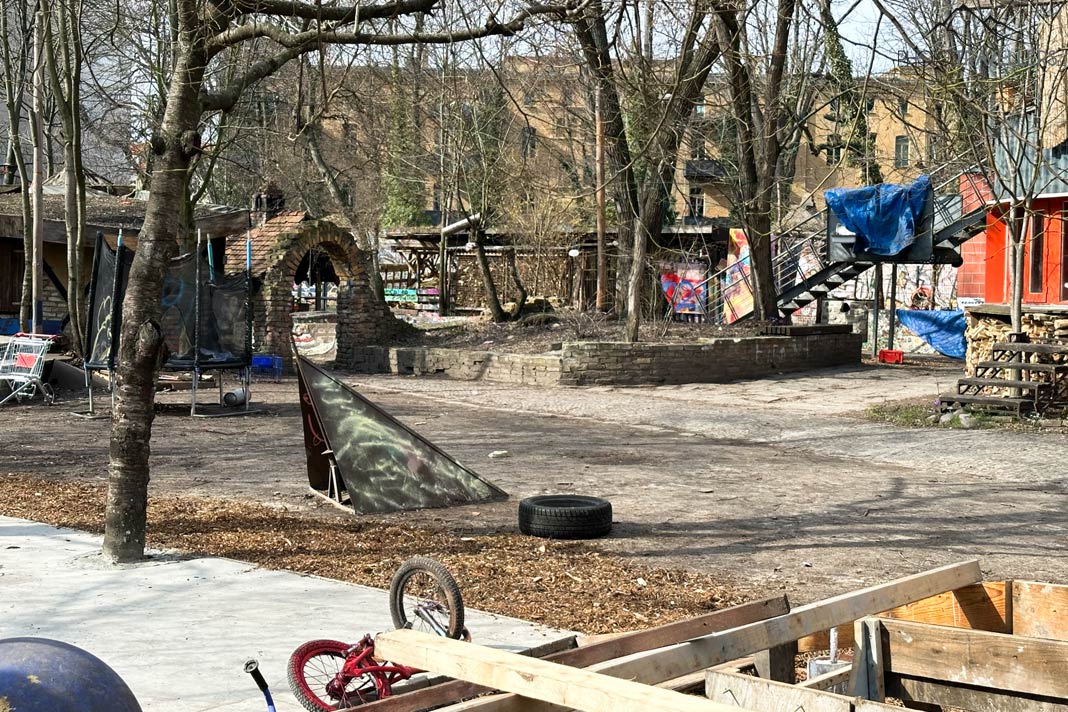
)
(869, 105)
(1038, 244)
(528, 141)
(903, 106)
(696, 201)
(528, 98)
(901, 151)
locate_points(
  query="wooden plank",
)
(866, 681)
(777, 663)
(869, 706)
(828, 679)
(1005, 662)
(1040, 610)
(537, 679)
(978, 607)
(718, 648)
(975, 699)
(982, 606)
(606, 648)
(756, 693)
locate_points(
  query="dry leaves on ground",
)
(567, 585)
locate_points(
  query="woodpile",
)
(984, 330)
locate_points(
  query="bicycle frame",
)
(360, 662)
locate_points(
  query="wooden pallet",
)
(940, 638)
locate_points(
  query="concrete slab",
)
(179, 629)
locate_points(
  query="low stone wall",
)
(622, 364)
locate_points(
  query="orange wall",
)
(1053, 236)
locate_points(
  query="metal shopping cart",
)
(22, 363)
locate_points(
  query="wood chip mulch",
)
(568, 585)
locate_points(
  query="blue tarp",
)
(943, 330)
(884, 216)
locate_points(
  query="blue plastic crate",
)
(267, 365)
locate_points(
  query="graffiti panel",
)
(683, 285)
(736, 283)
(386, 466)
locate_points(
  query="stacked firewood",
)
(983, 331)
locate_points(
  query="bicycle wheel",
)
(424, 596)
(313, 678)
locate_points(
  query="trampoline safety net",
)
(206, 322)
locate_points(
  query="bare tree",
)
(204, 33)
(16, 26)
(64, 57)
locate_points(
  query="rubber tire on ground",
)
(565, 516)
(443, 578)
(298, 684)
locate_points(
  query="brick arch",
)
(362, 318)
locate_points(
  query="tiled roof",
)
(264, 237)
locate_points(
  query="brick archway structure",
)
(277, 249)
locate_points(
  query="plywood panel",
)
(981, 606)
(756, 693)
(1040, 610)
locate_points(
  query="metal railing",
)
(802, 251)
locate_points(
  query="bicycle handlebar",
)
(252, 667)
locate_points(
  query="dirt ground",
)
(766, 486)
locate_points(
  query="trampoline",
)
(206, 319)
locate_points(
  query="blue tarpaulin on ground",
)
(883, 217)
(942, 329)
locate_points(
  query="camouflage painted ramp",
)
(386, 466)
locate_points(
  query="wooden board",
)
(718, 648)
(979, 607)
(968, 697)
(827, 680)
(1040, 610)
(993, 660)
(982, 606)
(606, 648)
(756, 693)
(537, 679)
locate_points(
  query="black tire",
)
(423, 582)
(565, 516)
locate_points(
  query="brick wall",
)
(601, 363)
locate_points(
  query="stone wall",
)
(602, 363)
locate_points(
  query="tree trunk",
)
(1015, 228)
(492, 300)
(765, 301)
(513, 270)
(140, 343)
(74, 216)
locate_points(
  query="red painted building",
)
(985, 272)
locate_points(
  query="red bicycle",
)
(329, 675)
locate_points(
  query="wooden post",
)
(868, 679)
(777, 663)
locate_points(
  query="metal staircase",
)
(803, 267)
